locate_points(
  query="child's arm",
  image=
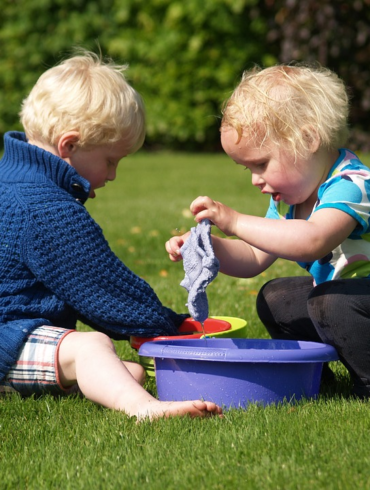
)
(262, 240)
(68, 254)
(297, 240)
(236, 257)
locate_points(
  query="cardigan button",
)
(77, 187)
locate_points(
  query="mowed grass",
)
(71, 443)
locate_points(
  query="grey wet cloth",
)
(201, 267)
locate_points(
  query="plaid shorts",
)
(36, 370)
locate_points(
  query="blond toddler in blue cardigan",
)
(80, 119)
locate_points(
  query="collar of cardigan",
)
(23, 162)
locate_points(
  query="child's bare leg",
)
(89, 358)
(136, 370)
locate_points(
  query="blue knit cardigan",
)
(55, 265)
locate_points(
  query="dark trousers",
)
(335, 312)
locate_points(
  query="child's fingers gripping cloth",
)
(201, 267)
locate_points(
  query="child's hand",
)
(220, 215)
(173, 246)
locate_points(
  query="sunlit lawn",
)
(72, 443)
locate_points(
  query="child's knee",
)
(77, 348)
(265, 301)
(325, 303)
(99, 339)
(81, 343)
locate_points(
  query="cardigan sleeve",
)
(66, 251)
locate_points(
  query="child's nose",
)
(111, 174)
(257, 180)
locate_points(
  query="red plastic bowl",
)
(189, 329)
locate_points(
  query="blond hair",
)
(289, 106)
(87, 95)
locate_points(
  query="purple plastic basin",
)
(236, 372)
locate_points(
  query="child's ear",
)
(311, 138)
(68, 144)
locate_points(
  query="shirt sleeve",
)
(348, 192)
(66, 251)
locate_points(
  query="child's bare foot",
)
(194, 408)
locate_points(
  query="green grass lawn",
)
(67, 443)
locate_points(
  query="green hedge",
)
(185, 57)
